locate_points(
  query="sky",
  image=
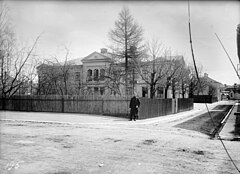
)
(83, 26)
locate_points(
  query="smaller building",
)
(212, 87)
(231, 92)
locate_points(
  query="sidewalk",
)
(227, 132)
(75, 118)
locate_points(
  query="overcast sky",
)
(83, 27)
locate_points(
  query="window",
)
(77, 76)
(89, 75)
(113, 92)
(129, 91)
(96, 74)
(159, 90)
(102, 90)
(102, 74)
(144, 91)
(95, 90)
(89, 89)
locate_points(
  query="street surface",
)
(56, 143)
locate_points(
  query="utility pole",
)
(133, 79)
(238, 48)
(238, 41)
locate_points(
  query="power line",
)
(202, 88)
(228, 56)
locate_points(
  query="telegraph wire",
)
(189, 24)
(227, 55)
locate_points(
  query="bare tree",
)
(212, 90)
(196, 86)
(180, 79)
(16, 64)
(114, 77)
(63, 74)
(154, 68)
(54, 76)
(174, 64)
(183, 78)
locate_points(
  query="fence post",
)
(4, 103)
(102, 106)
(176, 105)
(62, 104)
(172, 106)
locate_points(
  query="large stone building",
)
(98, 74)
(75, 77)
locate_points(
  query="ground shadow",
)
(207, 123)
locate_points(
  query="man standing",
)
(134, 105)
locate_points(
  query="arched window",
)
(102, 90)
(96, 74)
(102, 74)
(89, 75)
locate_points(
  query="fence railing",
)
(113, 106)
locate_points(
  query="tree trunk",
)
(183, 91)
(4, 102)
(152, 91)
(173, 91)
(190, 95)
(152, 86)
(166, 90)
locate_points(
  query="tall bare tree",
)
(154, 68)
(183, 78)
(196, 86)
(54, 76)
(179, 80)
(174, 65)
(114, 77)
(16, 65)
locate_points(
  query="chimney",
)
(205, 75)
(103, 50)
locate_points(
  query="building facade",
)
(98, 74)
(212, 87)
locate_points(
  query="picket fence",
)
(112, 106)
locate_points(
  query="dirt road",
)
(122, 147)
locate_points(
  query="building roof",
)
(95, 56)
(77, 61)
(211, 80)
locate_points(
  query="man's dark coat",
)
(134, 105)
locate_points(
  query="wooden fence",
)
(184, 104)
(114, 106)
(204, 99)
(159, 107)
